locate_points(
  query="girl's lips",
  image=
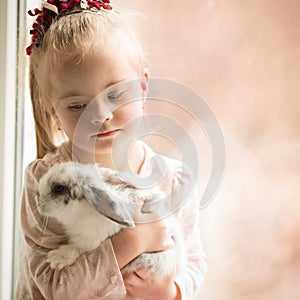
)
(106, 133)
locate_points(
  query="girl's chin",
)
(93, 151)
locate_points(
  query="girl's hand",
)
(145, 237)
(145, 285)
(153, 237)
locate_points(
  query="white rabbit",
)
(93, 204)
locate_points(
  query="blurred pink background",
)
(243, 58)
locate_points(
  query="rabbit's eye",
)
(58, 188)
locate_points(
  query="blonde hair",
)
(68, 40)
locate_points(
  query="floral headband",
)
(51, 9)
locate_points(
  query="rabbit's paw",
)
(159, 263)
(63, 256)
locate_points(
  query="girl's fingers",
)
(132, 279)
(142, 273)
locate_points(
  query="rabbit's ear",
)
(108, 205)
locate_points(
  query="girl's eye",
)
(115, 95)
(77, 106)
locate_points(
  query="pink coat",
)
(95, 275)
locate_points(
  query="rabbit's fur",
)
(70, 192)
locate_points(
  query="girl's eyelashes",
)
(77, 106)
(111, 96)
(115, 95)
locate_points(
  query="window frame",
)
(17, 138)
(8, 121)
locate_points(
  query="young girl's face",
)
(93, 99)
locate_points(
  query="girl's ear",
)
(145, 85)
(145, 79)
(146, 73)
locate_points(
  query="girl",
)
(80, 51)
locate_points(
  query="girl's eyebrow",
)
(76, 94)
(71, 95)
(115, 82)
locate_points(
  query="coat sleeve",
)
(93, 275)
(188, 220)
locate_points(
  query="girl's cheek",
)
(69, 116)
(131, 112)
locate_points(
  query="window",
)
(17, 142)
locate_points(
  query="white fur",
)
(86, 227)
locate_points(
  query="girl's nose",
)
(97, 119)
(99, 113)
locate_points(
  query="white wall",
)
(8, 38)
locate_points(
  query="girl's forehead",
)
(96, 71)
(96, 60)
